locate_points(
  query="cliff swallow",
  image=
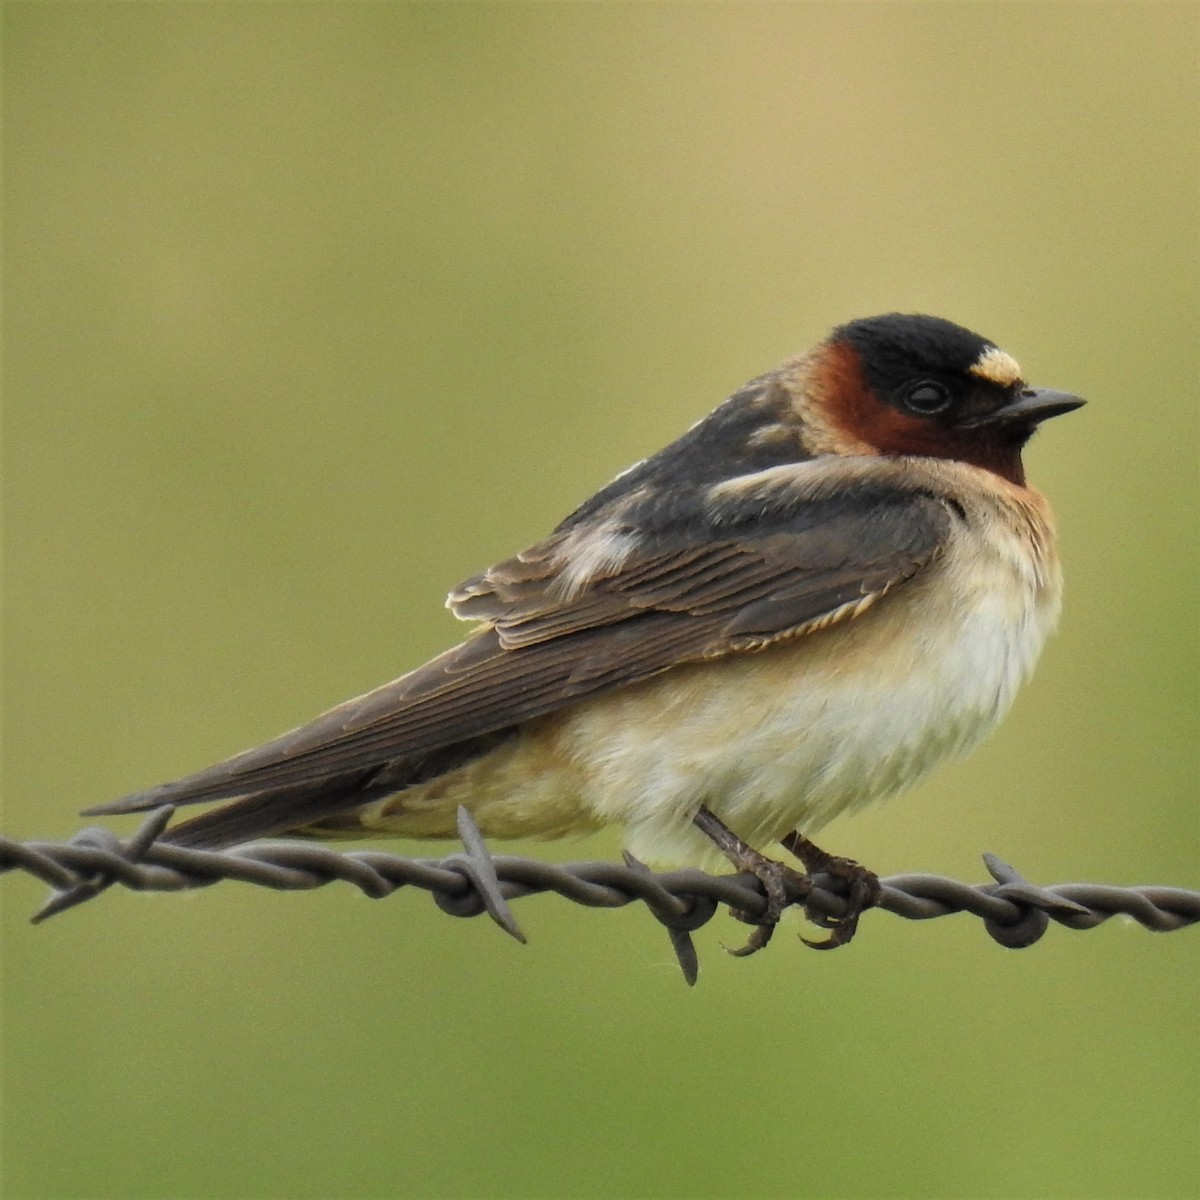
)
(833, 582)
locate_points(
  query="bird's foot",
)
(783, 885)
(862, 892)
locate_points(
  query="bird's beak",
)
(1029, 407)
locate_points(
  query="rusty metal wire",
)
(1014, 912)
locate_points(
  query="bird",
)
(830, 584)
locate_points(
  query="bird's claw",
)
(862, 892)
(783, 885)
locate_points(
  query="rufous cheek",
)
(861, 416)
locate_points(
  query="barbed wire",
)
(1015, 913)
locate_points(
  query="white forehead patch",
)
(997, 367)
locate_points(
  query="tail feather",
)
(274, 812)
(291, 807)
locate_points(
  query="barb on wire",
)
(1015, 912)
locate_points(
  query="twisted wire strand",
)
(1015, 912)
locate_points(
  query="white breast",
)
(796, 734)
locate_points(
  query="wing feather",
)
(684, 593)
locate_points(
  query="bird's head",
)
(906, 384)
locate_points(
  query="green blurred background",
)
(313, 310)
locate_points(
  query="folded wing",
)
(683, 591)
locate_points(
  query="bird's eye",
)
(927, 397)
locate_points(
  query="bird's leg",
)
(783, 885)
(863, 889)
